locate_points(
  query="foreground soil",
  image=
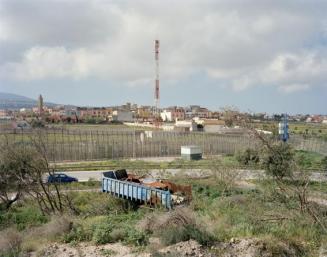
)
(234, 248)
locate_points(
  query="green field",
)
(299, 128)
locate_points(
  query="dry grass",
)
(10, 241)
(179, 217)
(55, 228)
(36, 238)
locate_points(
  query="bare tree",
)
(12, 174)
(23, 170)
(231, 115)
(226, 176)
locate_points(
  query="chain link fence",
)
(82, 145)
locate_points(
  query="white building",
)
(166, 115)
(185, 125)
(123, 116)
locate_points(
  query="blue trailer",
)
(113, 182)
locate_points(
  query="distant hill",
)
(14, 102)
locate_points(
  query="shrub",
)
(102, 233)
(324, 163)
(56, 227)
(278, 160)
(77, 234)
(120, 228)
(175, 226)
(94, 203)
(173, 235)
(136, 237)
(10, 243)
(118, 234)
(23, 217)
(248, 157)
(37, 123)
(91, 182)
(158, 221)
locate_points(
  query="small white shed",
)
(191, 152)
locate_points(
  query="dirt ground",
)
(235, 248)
(89, 250)
(182, 249)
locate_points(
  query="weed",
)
(107, 252)
(23, 216)
(101, 234)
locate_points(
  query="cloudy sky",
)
(264, 56)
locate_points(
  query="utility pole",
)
(157, 86)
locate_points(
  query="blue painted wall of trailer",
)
(134, 191)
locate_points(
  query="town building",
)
(185, 126)
(172, 114)
(122, 116)
(196, 111)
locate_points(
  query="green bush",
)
(278, 160)
(37, 123)
(248, 157)
(135, 237)
(108, 229)
(119, 228)
(77, 234)
(102, 233)
(23, 217)
(95, 203)
(92, 182)
(324, 163)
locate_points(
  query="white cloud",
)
(293, 88)
(288, 72)
(245, 46)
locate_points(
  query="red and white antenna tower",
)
(156, 92)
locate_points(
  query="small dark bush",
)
(77, 234)
(37, 124)
(248, 157)
(324, 163)
(278, 160)
(91, 182)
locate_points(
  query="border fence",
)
(82, 145)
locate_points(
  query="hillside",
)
(13, 101)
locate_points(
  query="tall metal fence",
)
(312, 144)
(78, 145)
